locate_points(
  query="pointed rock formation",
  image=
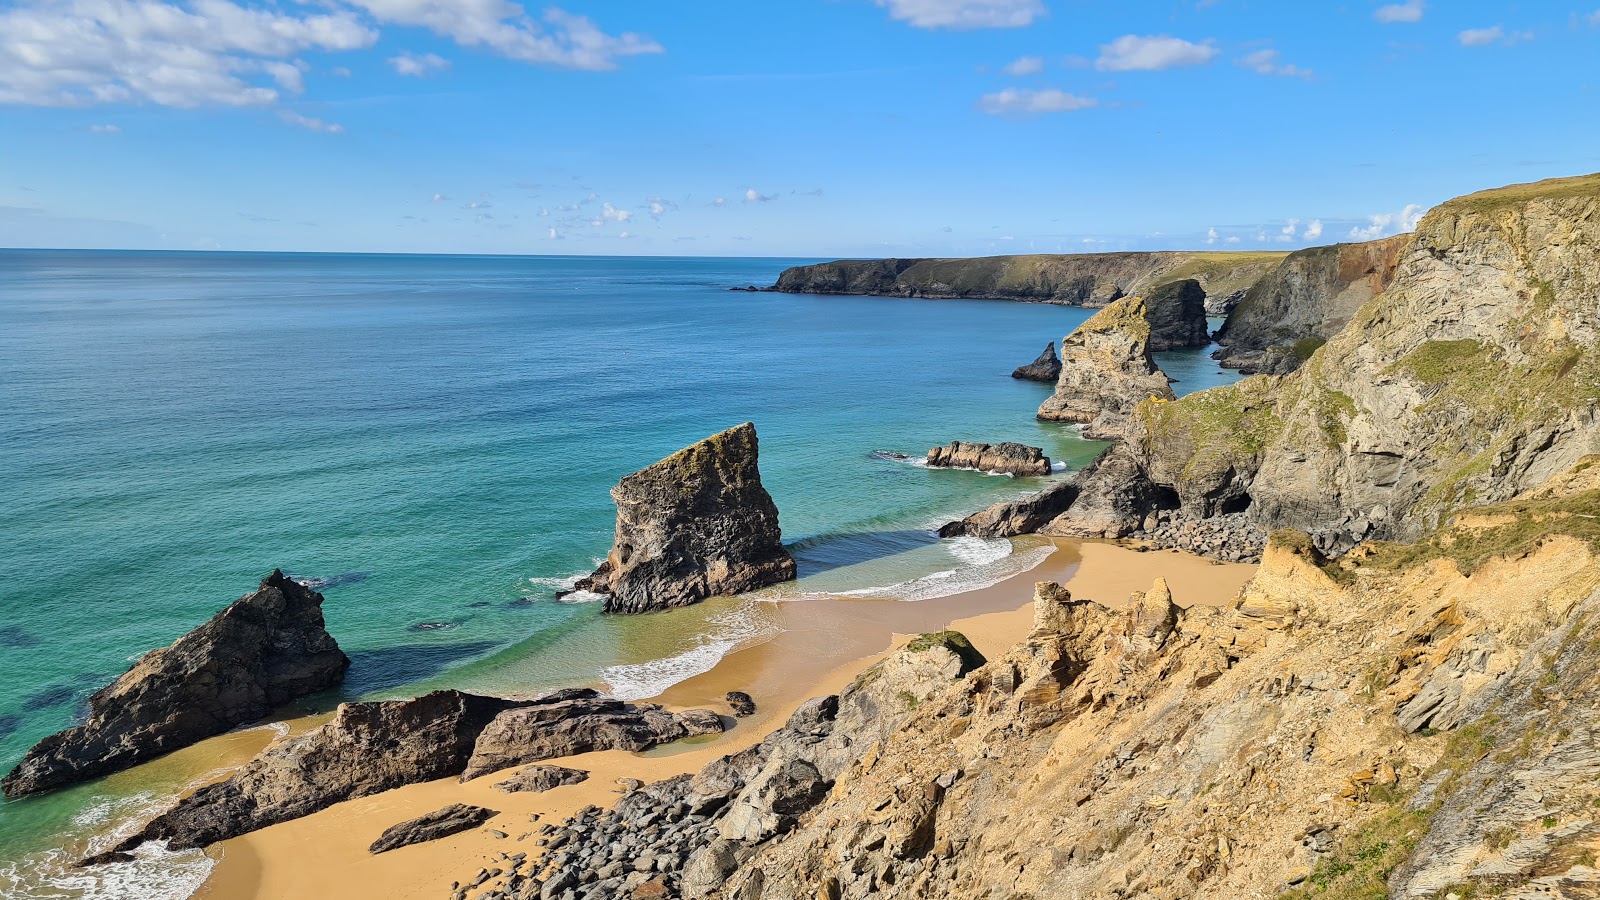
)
(1106, 371)
(695, 525)
(265, 649)
(1046, 368)
(1005, 458)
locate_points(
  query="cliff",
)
(1106, 370)
(1303, 302)
(265, 649)
(1087, 279)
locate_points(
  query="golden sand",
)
(824, 645)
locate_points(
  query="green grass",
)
(1577, 187)
(1534, 521)
(1303, 348)
(1359, 868)
(1436, 362)
(955, 642)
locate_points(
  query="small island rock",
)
(1046, 368)
(1106, 370)
(1005, 458)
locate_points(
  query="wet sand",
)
(824, 645)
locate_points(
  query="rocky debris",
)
(538, 779)
(1106, 370)
(580, 724)
(1010, 518)
(687, 834)
(453, 819)
(1078, 279)
(695, 525)
(1005, 458)
(741, 703)
(267, 648)
(1231, 538)
(1220, 305)
(1305, 301)
(1177, 314)
(1046, 368)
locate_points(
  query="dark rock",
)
(453, 819)
(431, 626)
(537, 779)
(331, 581)
(1022, 516)
(695, 525)
(742, 704)
(1005, 458)
(265, 649)
(1046, 368)
(1177, 314)
(580, 724)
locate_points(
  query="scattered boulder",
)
(1046, 368)
(1106, 370)
(453, 819)
(580, 723)
(742, 704)
(1177, 315)
(1005, 458)
(695, 525)
(267, 648)
(538, 779)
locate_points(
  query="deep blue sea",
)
(434, 437)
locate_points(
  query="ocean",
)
(432, 439)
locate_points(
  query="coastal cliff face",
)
(1106, 370)
(1303, 302)
(1088, 279)
(695, 525)
(267, 648)
(1177, 314)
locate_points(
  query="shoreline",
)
(824, 645)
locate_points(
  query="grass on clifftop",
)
(1532, 522)
(1235, 419)
(1550, 189)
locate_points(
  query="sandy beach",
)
(824, 645)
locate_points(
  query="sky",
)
(797, 128)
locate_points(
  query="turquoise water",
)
(437, 436)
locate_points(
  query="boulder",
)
(453, 819)
(267, 648)
(580, 724)
(695, 525)
(1005, 458)
(1177, 315)
(1046, 368)
(1106, 370)
(741, 703)
(538, 779)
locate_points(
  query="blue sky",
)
(784, 128)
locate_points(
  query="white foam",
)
(987, 566)
(732, 629)
(581, 597)
(976, 551)
(1058, 466)
(559, 582)
(154, 873)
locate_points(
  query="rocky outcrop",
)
(1306, 300)
(1106, 370)
(581, 724)
(1005, 458)
(267, 648)
(1046, 368)
(1177, 314)
(538, 779)
(1083, 279)
(441, 823)
(741, 704)
(695, 525)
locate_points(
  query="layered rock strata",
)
(1106, 370)
(1177, 314)
(695, 525)
(267, 648)
(1005, 458)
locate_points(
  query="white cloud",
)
(439, 198)
(554, 235)
(544, 212)
(478, 204)
(558, 38)
(1133, 53)
(1022, 101)
(720, 201)
(613, 214)
(659, 206)
(1288, 231)
(751, 195)
(418, 66)
(1313, 230)
(105, 129)
(964, 14)
(1231, 239)
(310, 124)
(1477, 37)
(339, 71)
(1265, 62)
(1382, 224)
(624, 235)
(1409, 11)
(1024, 65)
(207, 53)
(1211, 235)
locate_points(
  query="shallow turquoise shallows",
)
(435, 437)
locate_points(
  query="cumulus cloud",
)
(418, 66)
(1267, 62)
(558, 38)
(1024, 65)
(1383, 224)
(1211, 235)
(964, 14)
(751, 195)
(611, 213)
(1313, 230)
(205, 53)
(309, 123)
(1025, 102)
(439, 198)
(660, 206)
(1287, 233)
(1133, 53)
(720, 201)
(554, 235)
(1409, 11)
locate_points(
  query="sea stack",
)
(1005, 458)
(694, 525)
(1106, 370)
(1046, 368)
(1177, 314)
(265, 649)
